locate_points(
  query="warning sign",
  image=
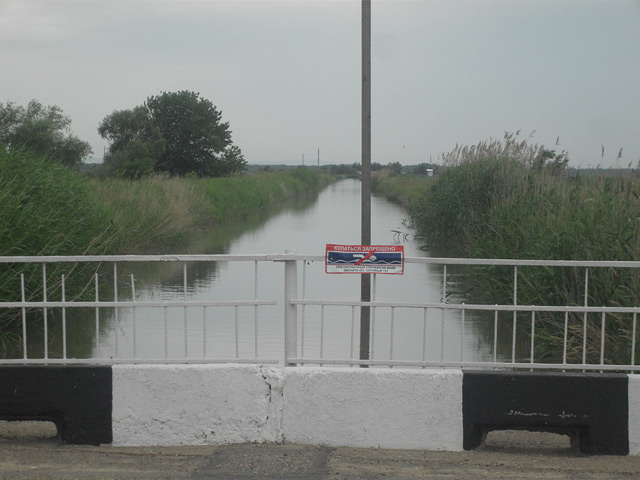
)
(386, 259)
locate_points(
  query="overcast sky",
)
(286, 74)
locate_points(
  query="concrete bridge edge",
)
(431, 409)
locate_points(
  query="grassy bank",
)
(509, 202)
(162, 210)
(47, 209)
(401, 189)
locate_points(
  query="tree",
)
(134, 142)
(179, 131)
(395, 167)
(44, 130)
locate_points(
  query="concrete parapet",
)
(374, 408)
(429, 409)
(195, 404)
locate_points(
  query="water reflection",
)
(257, 332)
(329, 332)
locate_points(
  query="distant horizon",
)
(315, 165)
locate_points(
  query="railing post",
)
(290, 310)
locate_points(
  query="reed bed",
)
(46, 209)
(506, 200)
(49, 209)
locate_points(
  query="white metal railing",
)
(414, 332)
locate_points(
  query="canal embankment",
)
(49, 209)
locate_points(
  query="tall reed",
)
(48, 209)
(499, 200)
(45, 209)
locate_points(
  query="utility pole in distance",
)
(365, 285)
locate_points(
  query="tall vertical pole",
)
(365, 285)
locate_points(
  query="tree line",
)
(179, 133)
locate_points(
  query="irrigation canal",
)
(306, 227)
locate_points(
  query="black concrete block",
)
(592, 408)
(78, 399)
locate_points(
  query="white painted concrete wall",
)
(195, 404)
(217, 404)
(634, 414)
(419, 409)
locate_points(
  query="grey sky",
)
(286, 74)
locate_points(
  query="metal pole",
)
(365, 285)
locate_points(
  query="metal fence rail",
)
(415, 332)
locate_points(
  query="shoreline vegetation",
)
(513, 200)
(50, 209)
(163, 210)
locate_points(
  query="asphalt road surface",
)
(30, 450)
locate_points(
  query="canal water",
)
(227, 332)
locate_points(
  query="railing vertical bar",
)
(97, 313)
(353, 323)
(133, 315)
(304, 310)
(321, 331)
(373, 319)
(565, 340)
(462, 328)
(204, 332)
(46, 322)
(424, 334)
(255, 312)
(24, 318)
(515, 315)
(533, 336)
(584, 319)
(237, 333)
(633, 341)
(393, 315)
(166, 332)
(495, 336)
(442, 327)
(290, 311)
(444, 283)
(513, 339)
(64, 320)
(602, 337)
(186, 329)
(116, 319)
(444, 300)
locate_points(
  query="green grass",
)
(401, 189)
(163, 211)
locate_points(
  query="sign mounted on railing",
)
(386, 259)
